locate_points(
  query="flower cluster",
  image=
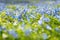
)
(29, 22)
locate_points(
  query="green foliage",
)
(13, 7)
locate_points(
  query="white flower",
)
(15, 23)
(4, 35)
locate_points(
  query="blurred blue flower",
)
(45, 36)
(13, 33)
(48, 27)
(48, 12)
(27, 32)
(41, 20)
(23, 24)
(57, 29)
(2, 6)
(38, 10)
(7, 13)
(55, 11)
(25, 10)
(32, 16)
(0, 28)
(57, 16)
(18, 7)
(42, 11)
(28, 18)
(19, 17)
(13, 16)
(46, 19)
(22, 27)
(59, 9)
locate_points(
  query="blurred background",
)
(35, 19)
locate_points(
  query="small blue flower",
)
(48, 12)
(40, 22)
(42, 11)
(57, 29)
(25, 10)
(2, 6)
(13, 16)
(56, 10)
(59, 9)
(48, 27)
(38, 10)
(13, 33)
(32, 16)
(0, 28)
(45, 36)
(19, 17)
(46, 19)
(28, 18)
(57, 16)
(27, 32)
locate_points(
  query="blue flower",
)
(56, 10)
(48, 12)
(13, 33)
(2, 6)
(0, 28)
(42, 11)
(19, 17)
(25, 10)
(53, 12)
(46, 19)
(32, 16)
(7, 13)
(40, 22)
(13, 16)
(27, 32)
(45, 36)
(57, 16)
(59, 9)
(48, 27)
(57, 29)
(28, 18)
(38, 10)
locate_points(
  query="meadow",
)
(30, 22)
